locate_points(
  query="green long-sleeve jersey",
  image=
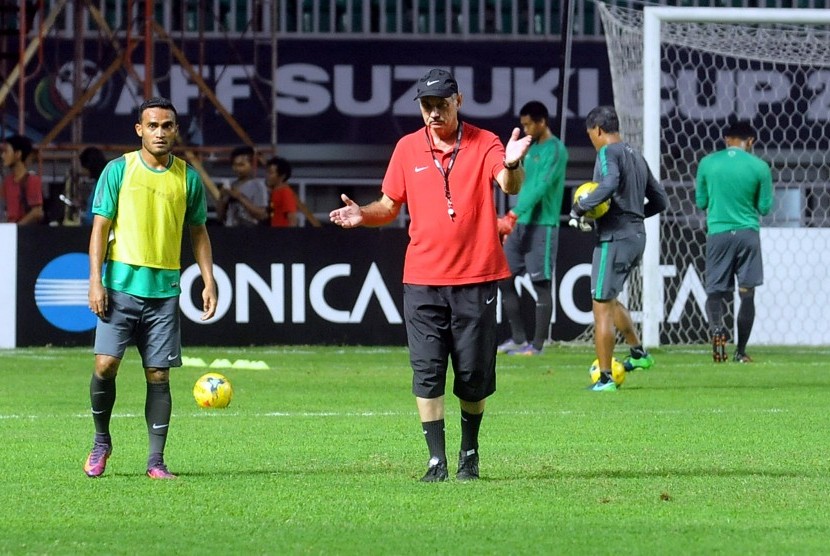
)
(540, 199)
(734, 187)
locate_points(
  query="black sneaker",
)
(742, 358)
(467, 465)
(436, 472)
(719, 346)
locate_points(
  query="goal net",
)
(680, 75)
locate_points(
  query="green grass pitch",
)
(322, 454)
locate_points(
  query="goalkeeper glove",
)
(579, 222)
(505, 224)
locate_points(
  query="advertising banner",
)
(331, 286)
(327, 91)
(8, 285)
(300, 286)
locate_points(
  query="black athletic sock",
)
(746, 319)
(102, 400)
(605, 377)
(470, 424)
(512, 310)
(638, 351)
(435, 436)
(544, 309)
(157, 409)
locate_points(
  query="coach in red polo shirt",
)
(444, 172)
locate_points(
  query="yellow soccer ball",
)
(599, 210)
(617, 372)
(213, 390)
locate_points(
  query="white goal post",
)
(687, 52)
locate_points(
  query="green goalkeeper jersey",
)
(734, 187)
(540, 199)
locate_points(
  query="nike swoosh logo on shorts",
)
(489, 301)
(172, 357)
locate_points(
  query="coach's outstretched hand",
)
(348, 216)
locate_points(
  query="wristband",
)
(514, 166)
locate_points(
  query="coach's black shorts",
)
(455, 323)
(730, 255)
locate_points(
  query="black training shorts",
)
(452, 323)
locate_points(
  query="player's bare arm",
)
(511, 177)
(203, 253)
(377, 213)
(97, 250)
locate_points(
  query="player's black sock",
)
(605, 377)
(746, 318)
(544, 309)
(470, 423)
(510, 302)
(102, 400)
(435, 437)
(638, 351)
(157, 409)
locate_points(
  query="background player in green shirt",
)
(734, 187)
(532, 230)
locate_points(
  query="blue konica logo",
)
(61, 293)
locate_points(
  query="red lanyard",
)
(446, 173)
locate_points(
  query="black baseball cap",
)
(437, 83)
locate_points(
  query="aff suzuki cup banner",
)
(325, 91)
(303, 286)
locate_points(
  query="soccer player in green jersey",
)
(734, 187)
(143, 202)
(531, 230)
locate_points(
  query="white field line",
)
(364, 414)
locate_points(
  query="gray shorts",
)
(532, 249)
(455, 323)
(612, 262)
(151, 324)
(730, 255)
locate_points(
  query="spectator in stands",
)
(531, 230)
(625, 178)
(444, 172)
(283, 199)
(245, 202)
(92, 161)
(734, 187)
(23, 189)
